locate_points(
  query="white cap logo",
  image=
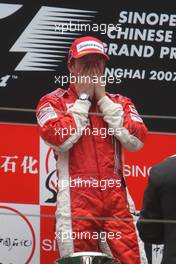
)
(90, 44)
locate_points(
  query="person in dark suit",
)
(159, 203)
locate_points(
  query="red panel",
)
(49, 249)
(19, 174)
(19, 166)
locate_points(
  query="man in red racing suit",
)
(87, 129)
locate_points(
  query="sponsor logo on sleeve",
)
(134, 114)
(46, 113)
(136, 118)
(133, 109)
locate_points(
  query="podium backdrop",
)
(140, 38)
(28, 191)
(141, 48)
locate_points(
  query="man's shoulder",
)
(118, 97)
(54, 95)
(166, 167)
(169, 161)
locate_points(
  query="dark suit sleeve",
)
(151, 232)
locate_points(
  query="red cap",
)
(86, 45)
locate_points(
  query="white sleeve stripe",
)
(72, 139)
(129, 141)
(81, 121)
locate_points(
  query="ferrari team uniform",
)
(93, 209)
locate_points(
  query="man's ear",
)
(70, 66)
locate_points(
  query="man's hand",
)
(100, 86)
(84, 81)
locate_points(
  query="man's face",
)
(87, 62)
